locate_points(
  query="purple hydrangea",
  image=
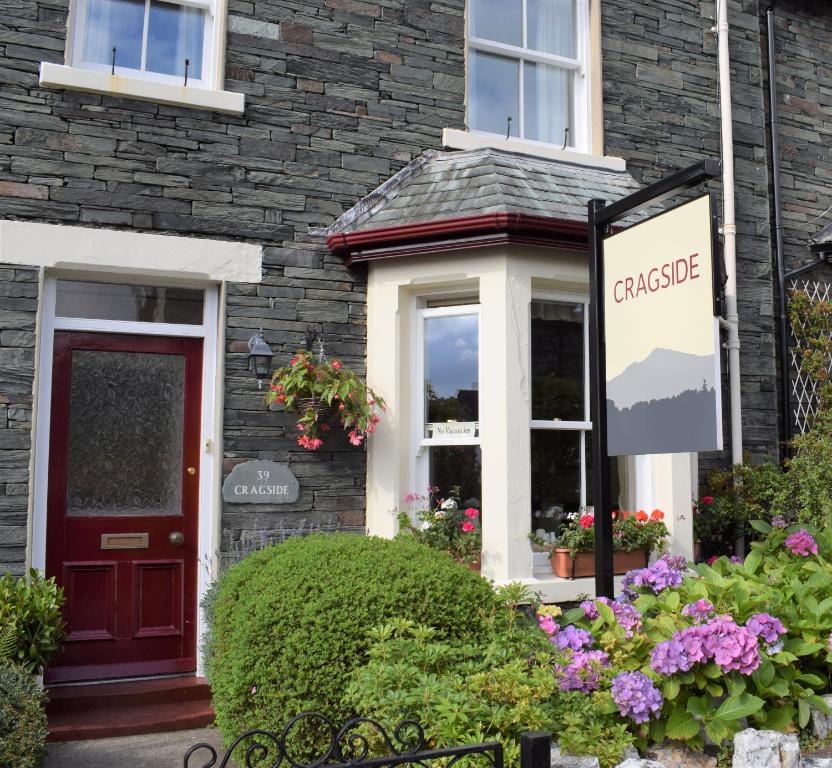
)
(582, 672)
(665, 573)
(778, 521)
(698, 611)
(626, 615)
(590, 609)
(636, 696)
(801, 543)
(734, 560)
(670, 657)
(765, 626)
(572, 637)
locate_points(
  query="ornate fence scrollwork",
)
(350, 746)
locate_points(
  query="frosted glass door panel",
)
(126, 415)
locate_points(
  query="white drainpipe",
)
(729, 228)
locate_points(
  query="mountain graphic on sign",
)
(666, 403)
(664, 373)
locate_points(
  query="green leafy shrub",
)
(494, 689)
(291, 622)
(22, 719)
(32, 608)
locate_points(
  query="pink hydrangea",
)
(801, 543)
(582, 671)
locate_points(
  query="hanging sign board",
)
(661, 336)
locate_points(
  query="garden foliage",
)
(22, 718)
(291, 622)
(693, 656)
(494, 689)
(30, 611)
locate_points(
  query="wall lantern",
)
(260, 357)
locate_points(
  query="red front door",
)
(123, 499)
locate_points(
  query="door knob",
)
(177, 538)
(191, 470)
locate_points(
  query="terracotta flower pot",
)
(583, 565)
(474, 566)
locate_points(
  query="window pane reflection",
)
(114, 24)
(548, 103)
(460, 466)
(556, 477)
(143, 303)
(495, 93)
(175, 33)
(498, 20)
(557, 352)
(550, 26)
(617, 479)
(451, 375)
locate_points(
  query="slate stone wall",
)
(661, 113)
(803, 33)
(340, 94)
(18, 308)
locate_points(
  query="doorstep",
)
(128, 708)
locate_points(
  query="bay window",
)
(164, 40)
(527, 70)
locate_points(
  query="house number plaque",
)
(261, 482)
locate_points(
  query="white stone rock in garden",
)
(765, 749)
(673, 754)
(633, 762)
(821, 723)
(559, 760)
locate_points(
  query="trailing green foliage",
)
(31, 607)
(291, 622)
(22, 719)
(494, 689)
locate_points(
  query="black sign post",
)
(600, 220)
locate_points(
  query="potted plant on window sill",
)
(443, 524)
(635, 536)
(320, 391)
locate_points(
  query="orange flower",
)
(641, 516)
(656, 515)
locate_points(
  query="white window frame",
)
(580, 137)
(420, 468)
(210, 46)
(583, 427)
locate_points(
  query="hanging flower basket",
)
(322, 411)
(321, 392)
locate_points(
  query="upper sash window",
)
(156, 39)
(527, 70)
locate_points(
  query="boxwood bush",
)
(22, 718)
(291, 622)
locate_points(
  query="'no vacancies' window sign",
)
(662, 339)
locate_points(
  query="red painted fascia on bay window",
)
(384, 242)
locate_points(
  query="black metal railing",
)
(354, 745)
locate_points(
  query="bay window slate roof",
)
(443, 185)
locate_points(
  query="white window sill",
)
(456, 139)
(62, 76)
